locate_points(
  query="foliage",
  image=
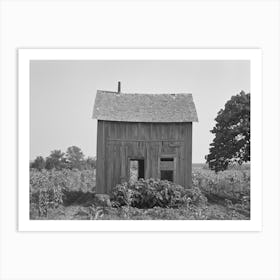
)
(56, 160)
(46, 191)
(232, 134)
(50, 189)
(192, 212)
(74, 157)
(233, 185)
(151, 193)
(39, 163)
(69, 194)
(90, 163)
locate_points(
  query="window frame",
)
(165, 156)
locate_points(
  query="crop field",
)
(70, 194)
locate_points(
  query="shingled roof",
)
(136, 107)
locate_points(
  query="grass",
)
(228, 195)
(78, 212)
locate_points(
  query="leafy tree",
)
(56, 160)
(75, 157)
(39, 163)
(232, 134)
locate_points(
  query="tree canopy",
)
(232, 134)
(39, 163)
(72, 159)
(56, 160)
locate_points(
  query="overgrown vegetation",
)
(230, 188)
(155, 193)
(52, 189)
(70, 194)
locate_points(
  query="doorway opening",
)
(136, 170)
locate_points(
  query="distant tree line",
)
(73, 158)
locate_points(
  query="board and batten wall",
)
(118, 142)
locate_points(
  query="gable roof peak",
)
(139, 107)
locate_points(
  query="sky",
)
(62, 96)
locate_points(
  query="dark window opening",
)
(136, 170)
(167, 169)
(166, 175)
(166, 159)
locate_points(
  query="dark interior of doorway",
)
(137, 169)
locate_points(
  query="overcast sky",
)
(62, 96)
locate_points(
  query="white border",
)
(24, 57)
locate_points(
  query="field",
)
(70, 194)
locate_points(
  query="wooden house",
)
(150, 131)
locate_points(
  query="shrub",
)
(151, 193)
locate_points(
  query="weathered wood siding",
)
(118, 142)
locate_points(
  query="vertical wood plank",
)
(123, 162)
(106, 126)
(100, 157)
(188, 155)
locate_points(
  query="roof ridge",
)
(142, 93)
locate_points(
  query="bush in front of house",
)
(151, 193)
